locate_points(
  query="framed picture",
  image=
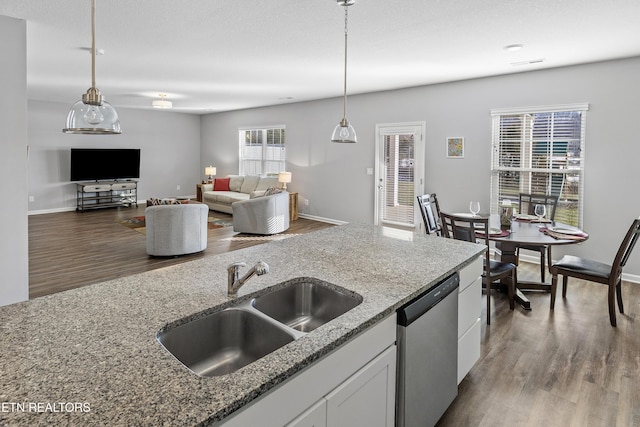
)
(455, 148)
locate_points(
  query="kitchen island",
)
(90, 356)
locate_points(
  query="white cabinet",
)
(316, 416)
(469, 311)
(348, 381)
(468, 349)
(368, 397)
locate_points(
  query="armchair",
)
(176, 229)
(262, 215)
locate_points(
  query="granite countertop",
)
(89, 356)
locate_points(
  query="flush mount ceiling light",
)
(344, 132)
(162, 102)
(513, 47)
(93, 115)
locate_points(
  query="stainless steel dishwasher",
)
(427, 339)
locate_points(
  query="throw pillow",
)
(154, 201)
(235, 182)
(249, 184)
(272, 190)
(221, 184)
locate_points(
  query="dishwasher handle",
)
(420, 305)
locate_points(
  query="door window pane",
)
(399, 181)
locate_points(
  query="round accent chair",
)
(176, 229)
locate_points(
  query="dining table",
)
(531, 232)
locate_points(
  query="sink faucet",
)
(233, 271)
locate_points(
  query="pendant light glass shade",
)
(344, 132)
(92, 119)
(93, 115)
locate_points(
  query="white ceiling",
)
(213, 55)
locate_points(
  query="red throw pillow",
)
(221, 184)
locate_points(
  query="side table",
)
(199, 192)
(293, 206)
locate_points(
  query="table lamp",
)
(210, 171)
(284, 178)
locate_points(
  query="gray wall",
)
(169, 143)
(332, 176)
(14, 283)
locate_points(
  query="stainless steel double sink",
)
(224, 341)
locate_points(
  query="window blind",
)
(540, 151)
(398, 196)
(262, 150)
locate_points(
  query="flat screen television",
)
(96, 164)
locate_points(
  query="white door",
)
(399, 172)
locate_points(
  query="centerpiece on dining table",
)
(506, 215)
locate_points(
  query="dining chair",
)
(594, 271)
(527, 204)
(430, 210)
(474, 229)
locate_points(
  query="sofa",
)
(224, 191)
(176, 229)
(262, 215)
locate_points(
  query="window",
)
(399, 184)
(262, 151)
(540, 151)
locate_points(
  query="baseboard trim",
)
(322, 219)
(48, 211)
(633, 278)
(68, 209)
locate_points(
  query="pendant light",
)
(344, 132)
(93, 115)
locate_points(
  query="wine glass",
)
(540, 211)
(474, 208)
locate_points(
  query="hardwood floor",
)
(72, 249)
(563, 368)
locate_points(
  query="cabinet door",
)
(468, 350)
(470, 273)
(368, 397)
(470, 302)
(316, 416)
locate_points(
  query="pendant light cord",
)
(93, 43)
(346, 14)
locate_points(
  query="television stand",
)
(106, 194)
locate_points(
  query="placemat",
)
(501, 233)
(562, 236)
